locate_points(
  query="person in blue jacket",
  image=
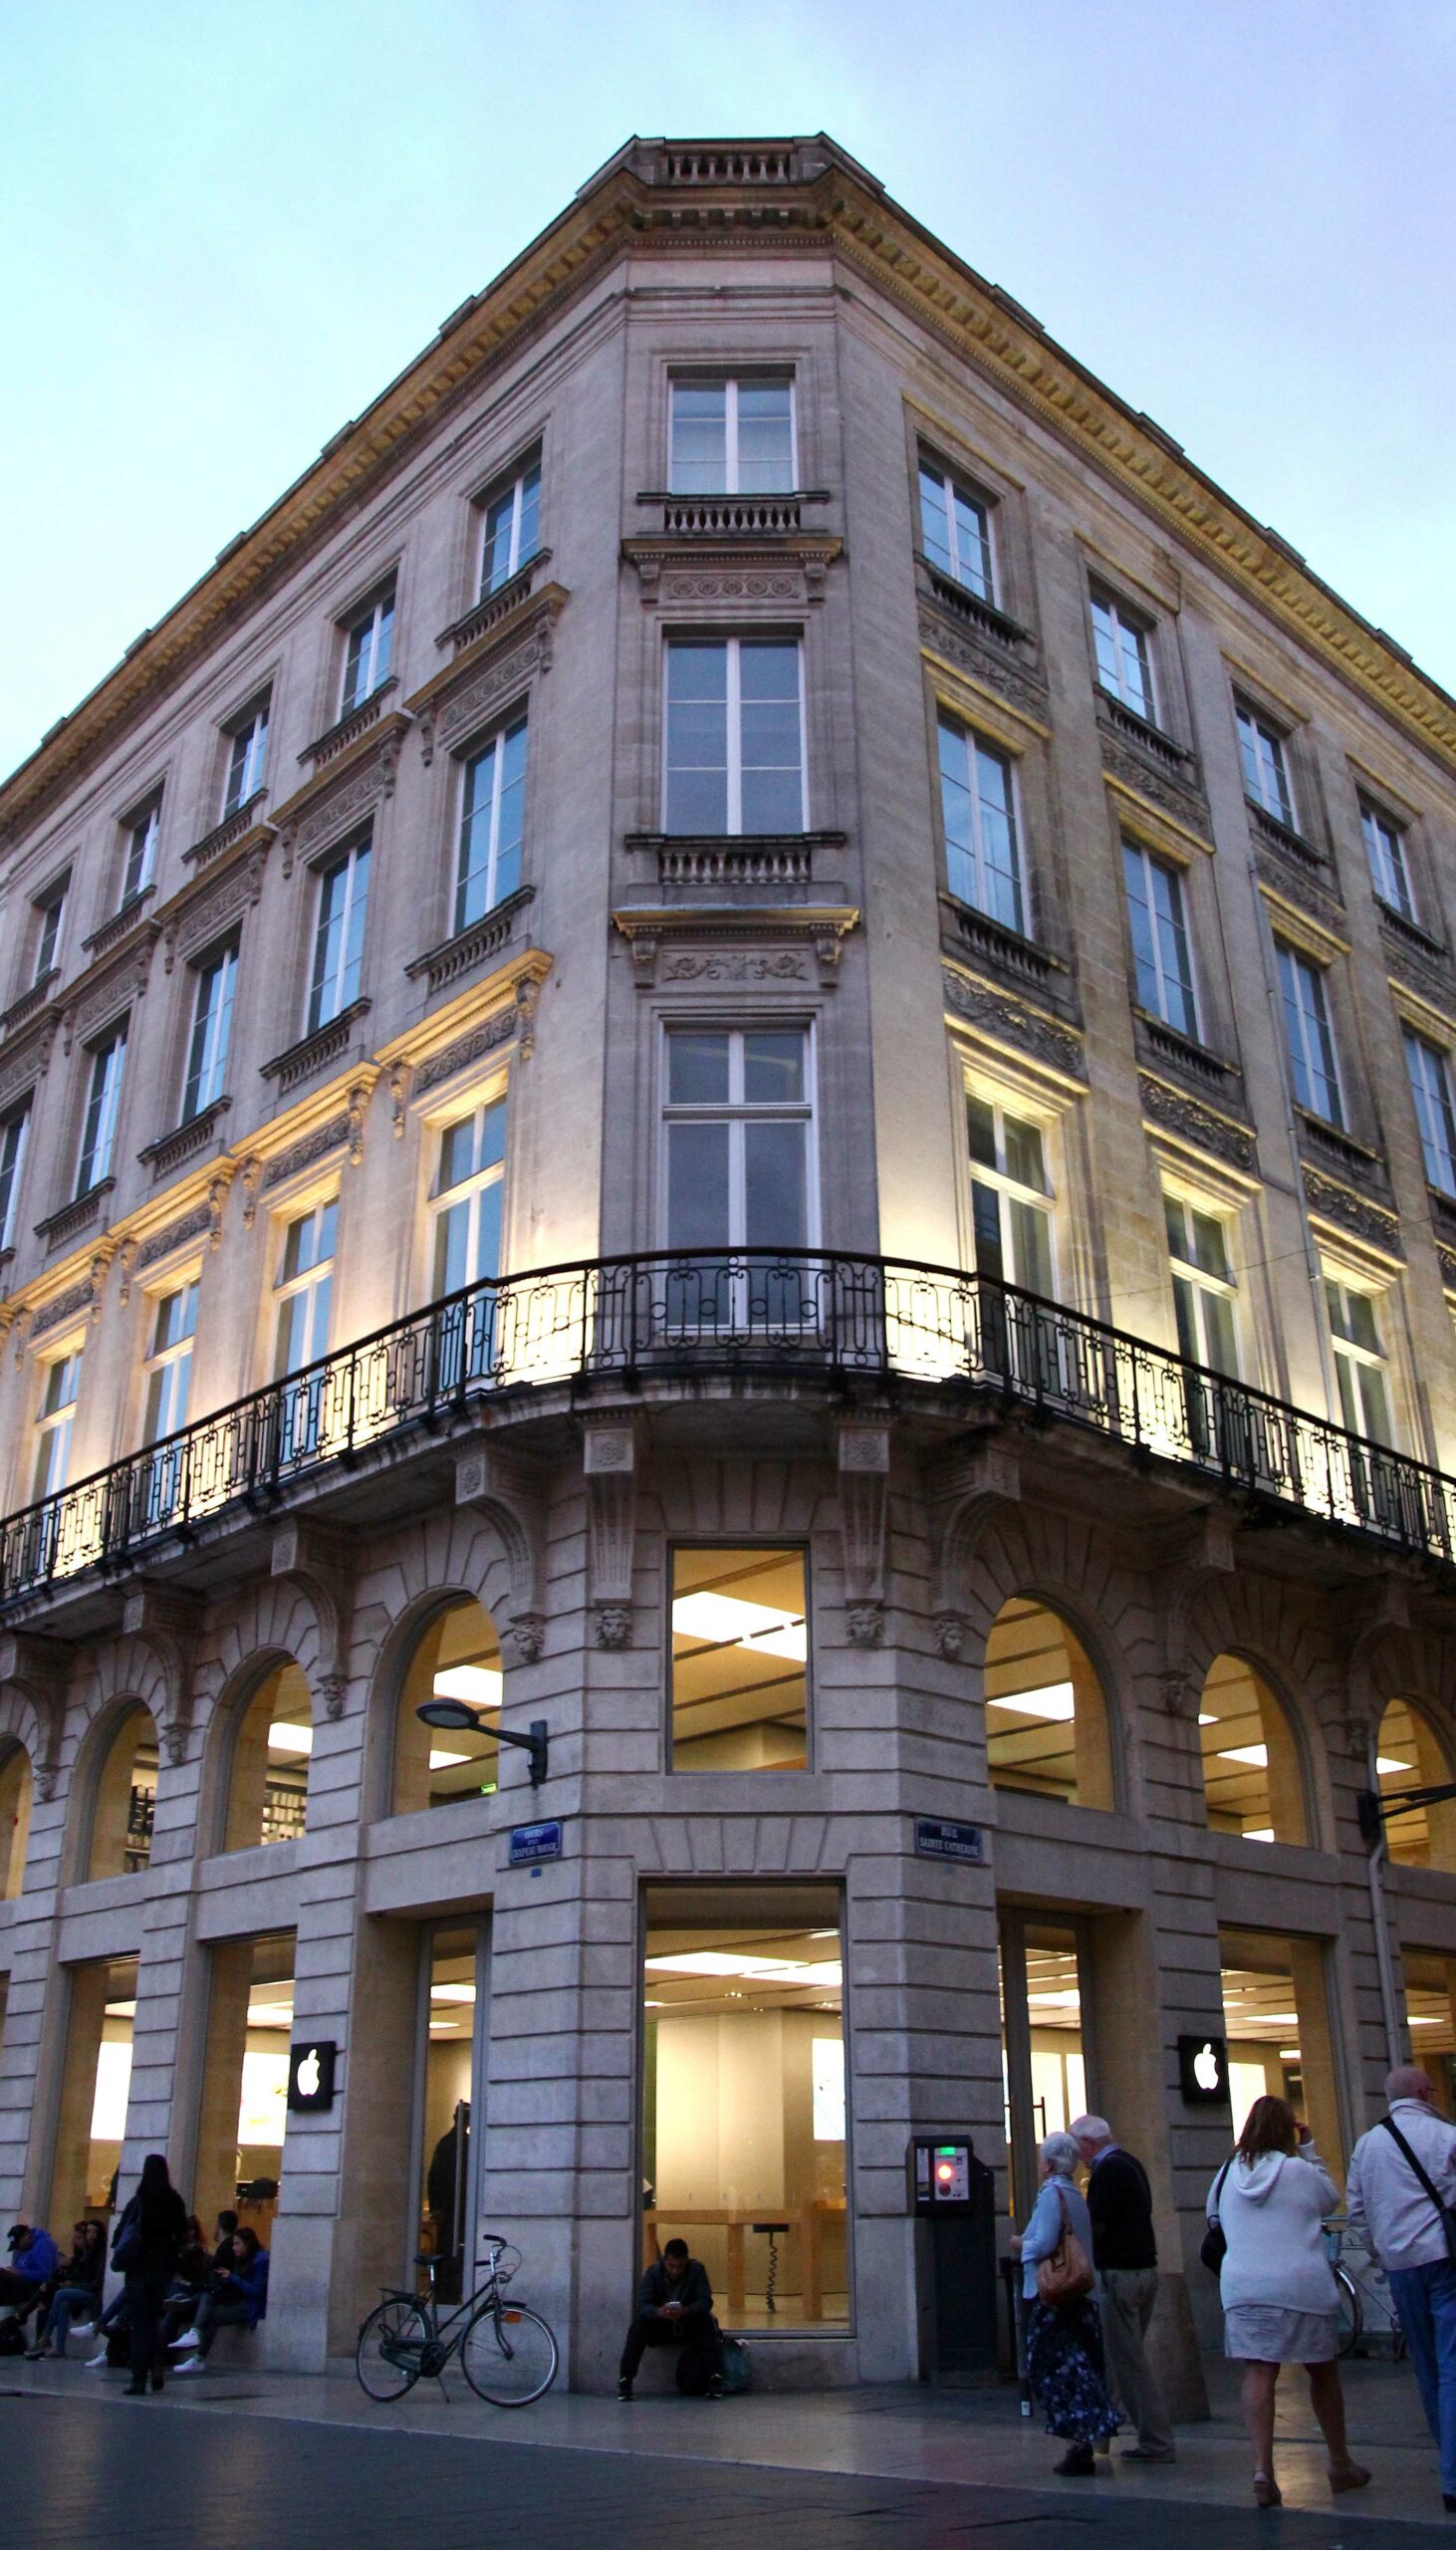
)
(35, 2261)
(237, 2298)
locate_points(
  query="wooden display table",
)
(806, 2219)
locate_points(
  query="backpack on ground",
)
(737, 2367)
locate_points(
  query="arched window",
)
(1046, 1717)
(15, 1798)
(1410, 1755)
(125, 1798)
(1252, 1781)
(268, 1781)
(457, 1657)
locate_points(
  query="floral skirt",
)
(1064, 2369)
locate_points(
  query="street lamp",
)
(461, 1719)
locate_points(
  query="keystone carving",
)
(508, 1490)
(609, 1466)
(864, 1526)
(965, 1488)
(40, 1669)
(166, 1624)
(318, 1562)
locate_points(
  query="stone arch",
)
(257, 1782)
(1257, 1677)
(446, 1556)
(1401, 1713)
(113, 1786)
(446, 1637)
(17, 1789)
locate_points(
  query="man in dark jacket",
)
(1124, 2254)
(35, 2262)
(675, 2309)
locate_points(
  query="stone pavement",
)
(238, 2459)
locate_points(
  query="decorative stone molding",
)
(400, 1079)
(206, 914)
(487, 615)
(318, 1562)
(485, 675)
(609, 1467)
(94, 1004)
(473, 947)
(239, 826)
(965, 1487)
(1447, 1257)
(1173, 1110)
(342, 793)
(1294, 882)
(348, 731)
(864, 1467)
(252, 1176)
(517, 1020)
(509, 1490)
(75, 1218)
(189, 1225)
(28, 1064)
(113, 932)
(313, 1053)
(1031, 967)
(984, 663)
(1354, 1213)
(1015, 1022)
(184, 1141)
(1416, 959)
(1165, 777)
(30, 1004)
(167, 1622)
(1329, 1145)
(85, 1296)
(751, 562)
(345, 1126)
(40, 1669)
(1164, 1048)
(763, 944)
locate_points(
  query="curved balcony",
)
(935, 1332)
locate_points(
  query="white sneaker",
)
(194, 2363)
(96, 2363)
(188, 2338)
(82, 2328)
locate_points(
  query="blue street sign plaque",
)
(531, 1843)
(935, 1839)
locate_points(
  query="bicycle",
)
(1364, 2295)
(508, 2354)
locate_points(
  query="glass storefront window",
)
(458, 1658)
(1430, 2015)
(744, 2124)
(1276, 2024)
(1046, 1717)
(1251, 1765)
(448, 2163)
(15, 1805)
(268, 1790)
(740, 1661)
(94, 2089)
(244, 2117)
(1409, 1755)
(1042, 2060)
(125, 1799)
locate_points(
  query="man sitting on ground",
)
(675, 2309)
(35, 2262)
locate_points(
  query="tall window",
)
(978, 804)
(99, 1133)
(50, 913)
(1360, 1370)
(1124, 667)
(1386, 854)
(955, 531)
(1011, 1197)
(491, 813)
(732, 437)
(738, 1120)
(212, 1017)
(304, 1282)
(1265, 767)
(246, 755)
(512, 530)
(366, 647)
(1310, 1044)
(1430, 1087)
(1159, 938)
(14, 1134)
(142, 840)
(339, 935)
(734, 740)
(1205, 1295)
(59, 1394)
(469, 1189)
(169, 1362)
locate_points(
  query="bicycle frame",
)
(449, 2331)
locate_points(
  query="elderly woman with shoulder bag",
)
(1267, 2209)
(1064, 2332)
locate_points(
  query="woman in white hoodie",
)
(1280, 2301)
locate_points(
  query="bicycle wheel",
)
(396, 2324)
(510, 2358)
(1351, 2317)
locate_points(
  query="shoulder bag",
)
(1447, 2218)
(1215, 2247)
(1065, 2274)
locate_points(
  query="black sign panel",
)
(1203, 2071)
(937, 1840)
(311, 2078)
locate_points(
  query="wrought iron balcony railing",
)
(731, 1311)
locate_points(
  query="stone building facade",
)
(738, 1044)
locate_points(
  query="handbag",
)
(1447, 2218)
(1066, 2273)
(126, 2249)
(1215, 2244)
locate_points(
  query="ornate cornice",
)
(1017, 1023)
(763, 944)
(485, 674)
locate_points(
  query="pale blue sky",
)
(222, 228)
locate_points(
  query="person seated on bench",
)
(35, 2263)
(195, 2271)
(675, 2309)
(237, 2298)
(78, 2291)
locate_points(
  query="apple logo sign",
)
(1203, 2071)
(309, 2074)
(1205, 2068)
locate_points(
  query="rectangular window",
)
(247, 750)
(978, 804)
(1159, 938)
(14, 1134)
(59, 1394)
(492, 809)
(732, 439)
(739, 1657)
(1385, 850)
(142, 840)
(738, 1130)
(512, 529)
(1360, 1370)
(469, 1190)
(734, 757)
(303, 1285)
(367, 648)
(1011, 1197)
(1310, 1044)
(1124, 667)
(1265, 767)
(744, 2099)
(213, 1015)
(1430, 1087)
(50, 915)
(104, 1099)
(955, 531)
(1205, 1296)
(170, 1364)
(339, 935)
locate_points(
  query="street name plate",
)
(533, 1842)
(935, 1839)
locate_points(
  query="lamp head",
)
(455, 1714)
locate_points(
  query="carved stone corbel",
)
(609, 1466)
(508, 1488)
(1186, 1562)
(40, 1669)
(864, 1525)
(318, 1562)
(166, 1624)
(965, 1488)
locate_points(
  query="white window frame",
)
(286, 1288)
(53, 902)
(952, 488)
(444, 1200)
(731, 380)
(250, 731)
(734, 642)
(167, 1370)
(346, 860)
(1201, 1284)
(54, 1424)
(1149, 860)
(105, 1094)
(1265, 731)
(16, 1120)
(1389, 866)
(1318, 973)
(142, 835)
(1347, 1354)
(1128, 629)
(495, 742)
(514, 486)
(736, 1112)
(1014, 1190)
(1435, 1109)
(973, 742)
(208, 1068)
(366, 623)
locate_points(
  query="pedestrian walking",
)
(1402, 2183)
(1064, 2334)
(1281, 2304)
(147, 2245)
(1124, 2254)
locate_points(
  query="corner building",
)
(741, 1044)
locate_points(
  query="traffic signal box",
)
(953, 2196)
